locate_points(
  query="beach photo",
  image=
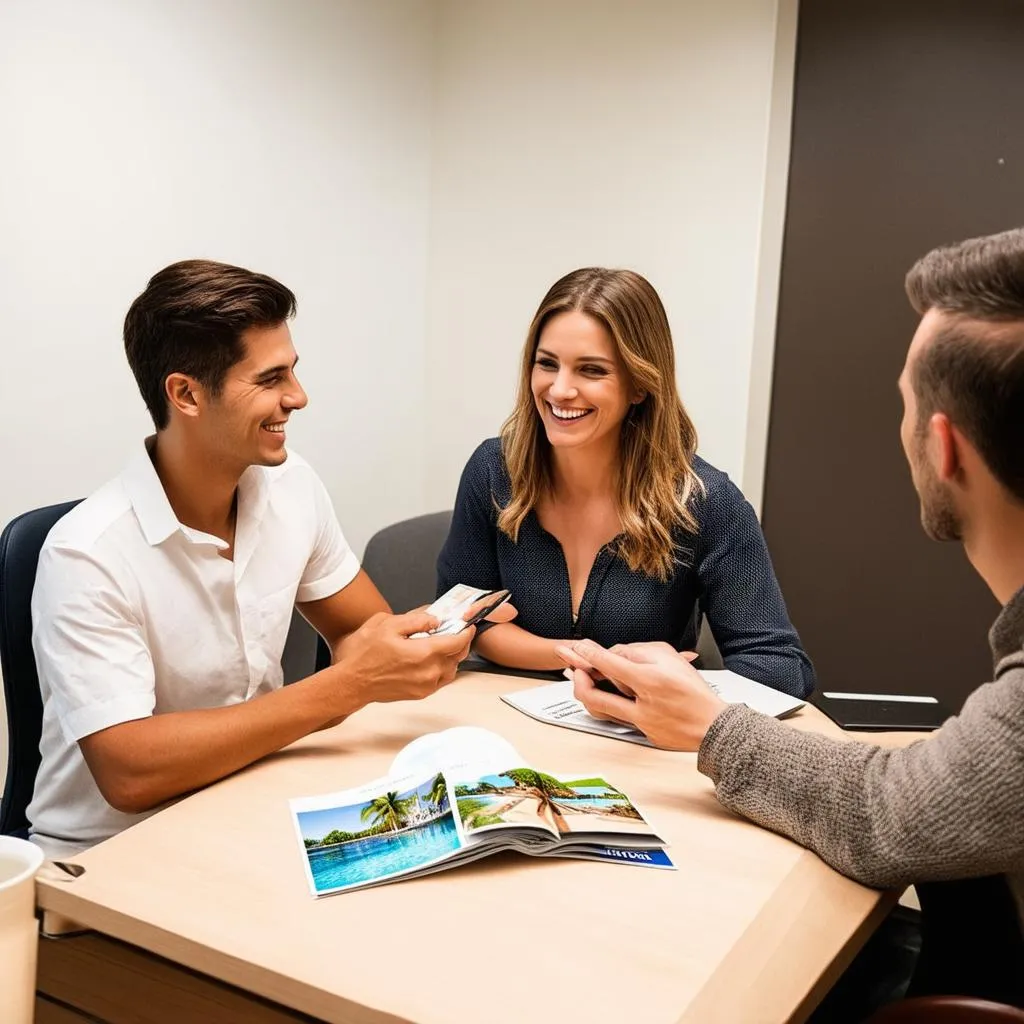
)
(522, 796)
(379, 837)
(594, 805)
(517, 796)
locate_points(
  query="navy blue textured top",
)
(723, 572)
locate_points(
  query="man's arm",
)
(141, 764)
(145, 762)
(947, 807)
(342, 613)
(337, 617)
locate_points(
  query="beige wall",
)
(290, 137)
(595, 132)
(418, 172)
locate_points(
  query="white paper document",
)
(556, 705)
(736, 689)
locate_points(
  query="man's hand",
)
(381, 663)
(672, 706)
(639, 652)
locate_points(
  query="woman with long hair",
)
(594, 509)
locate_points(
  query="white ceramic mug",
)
(19, 929)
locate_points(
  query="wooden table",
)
(751, 927)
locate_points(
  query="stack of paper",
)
(556, 705)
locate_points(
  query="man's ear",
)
(181, 393)
(945, 443)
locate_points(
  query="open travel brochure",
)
(454, 796)
(556, 705)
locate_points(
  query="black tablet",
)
(881, 712)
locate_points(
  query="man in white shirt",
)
(162, 602)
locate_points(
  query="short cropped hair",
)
(190, 319)
(973, 370)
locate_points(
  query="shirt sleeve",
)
(90, 647)
(741, 597)
(470, 553)
(945, 807)
(332, 564)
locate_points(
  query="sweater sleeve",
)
(946, 807)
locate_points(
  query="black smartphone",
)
(609, 687)
(499, 596)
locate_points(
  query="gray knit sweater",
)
(949, 807)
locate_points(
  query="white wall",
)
(596, 132)
(290, 137)
(419, 172)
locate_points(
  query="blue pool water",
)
(365, 860)
(589, 801)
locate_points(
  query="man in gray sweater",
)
(951, 806)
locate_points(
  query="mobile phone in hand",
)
(609, 687)
(499, 598)
(451, 608)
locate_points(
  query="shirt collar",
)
(148, 498)
(253, 496)
(157, 518)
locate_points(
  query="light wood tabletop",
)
(750, 928)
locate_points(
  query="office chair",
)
(20, 544)
(708, 654)
(971, 941)
(947, 1010)
(401, 559)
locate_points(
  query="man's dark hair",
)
(190, 320)
(973, 370)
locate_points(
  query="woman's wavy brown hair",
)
(656, 479)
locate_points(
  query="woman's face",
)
(580, 385)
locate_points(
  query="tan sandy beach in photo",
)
(523, 811)
(578, 822)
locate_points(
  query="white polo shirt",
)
(135, 614)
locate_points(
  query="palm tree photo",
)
(388, 809)
(438, 794)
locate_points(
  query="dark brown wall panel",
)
(908, 132)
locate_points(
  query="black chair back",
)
(20, 544)
(401, 559)
(971, 941)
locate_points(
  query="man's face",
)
(245, 423)
(939, 516)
